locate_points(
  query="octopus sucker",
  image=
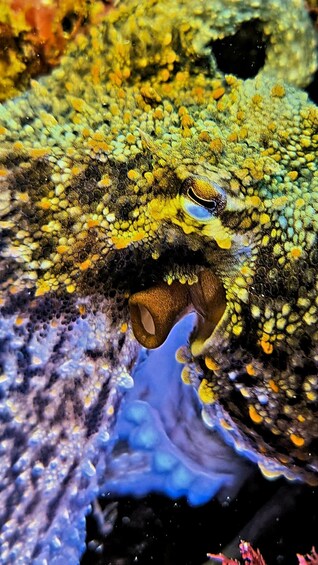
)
(141, 182)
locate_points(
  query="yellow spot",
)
(18, 146)
(301, 418)
(297, 440)
(293, 175)
(237, 330)
(105, 181)
(312, 397)
(243, 133)
(3, 172)
(278, 90)
(185, 375)
(225, 243)
(78, 104)
(110, 411)
(3, 130)
(70, 288)
(22, 196)
(124, 327)
(130, 138)
(43, 288)
(257, 99)
(264, 218)
(211, 363)
(254, 415)
(250, 370)
(19, 321)
(62, 249)
(205, 392)
(254, 201)
(149, 177)
(133, 175)
(273, 385)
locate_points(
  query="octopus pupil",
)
(210, 205)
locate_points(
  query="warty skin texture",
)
(137, 164)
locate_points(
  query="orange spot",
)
(92, 223)
(78, 104)
(158, 114)
(124, 327)
(36, 153)
(186, 121)
(86, 132)
(232, 136)
(266, 346)
(18, 146)
(216, 145)
(218, 93)
(250, 370)
(211, 364)
(62, 249)
(204, 136)
(82, 309)
(76, 170)
(110, 411)
(295, 252)
(254, 415)
(3, 172)
(85, 265)
(138, 236)
(297, 440)
(44, 204)
(273, 385)
(19, 321)
(42, 289)
(120, 242)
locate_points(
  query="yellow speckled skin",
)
(94, 206)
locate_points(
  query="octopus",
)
(143, 180)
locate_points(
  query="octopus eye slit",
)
(210, 205)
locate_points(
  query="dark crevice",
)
(242, 54)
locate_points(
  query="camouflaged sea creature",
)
(139, 182)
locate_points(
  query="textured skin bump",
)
(94, 164)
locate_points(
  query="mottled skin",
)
(138, 162)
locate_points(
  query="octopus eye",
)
(204, 198)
